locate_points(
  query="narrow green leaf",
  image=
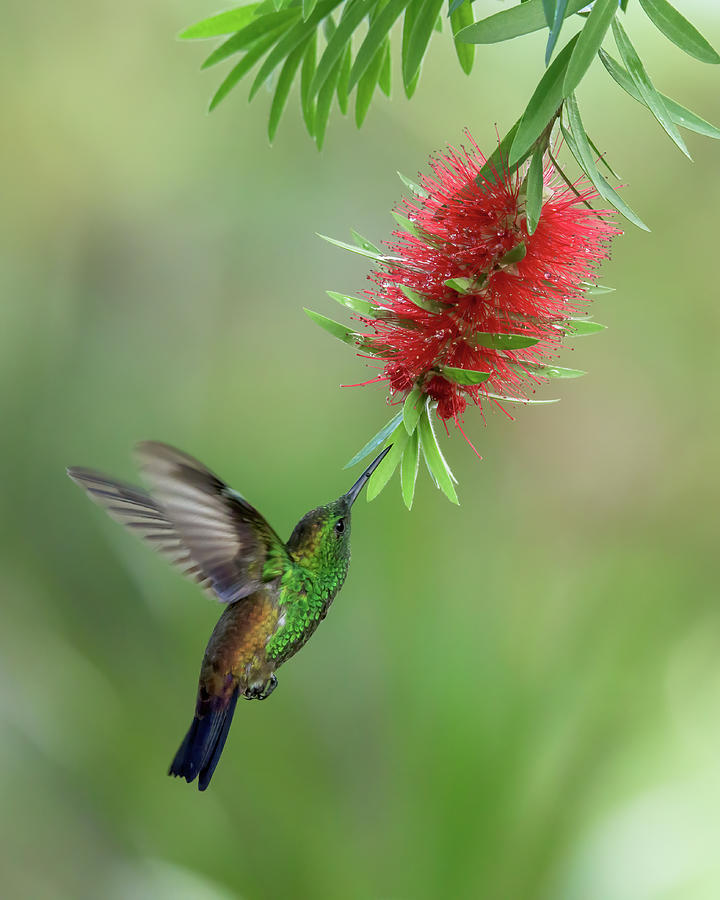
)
(426, 303)
(466, 285)
(514, 255)
(364, 243)
(462, 17)
(361, 250)
(375, 441)
(253, 55)
(589, 42)
(409, 468)
(557, 22)
(524, 400)
(308, 7)
(510, 23)
(463, 376)
(419, 39)
(324, 102)
(412, 408)
(353, 14)
(534, 191)
(548, 11)
(652, 98)
(385, 78)
(677, 28)
(580, 149)
(595, 290)
(679, 114)
(336, 329)
(377, 33)
(406, 224)
(356, 304)
(412, 186)
(497, 161)
(342, 86)
(543, 105)
(434, 459)
(287, 76)
(385, 470)
(601, 156)
(582, 327)
(502, 341)
(307, 101)
(548, 371)
(412, 87)
(260, 28)
(222, 23)
(366, 87)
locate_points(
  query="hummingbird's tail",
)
(200, 751)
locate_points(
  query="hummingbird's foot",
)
(260, 692)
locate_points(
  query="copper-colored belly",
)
(236, 651)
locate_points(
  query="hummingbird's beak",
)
(352, 494)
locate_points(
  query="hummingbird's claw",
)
(261, 692)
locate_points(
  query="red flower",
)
(467, 287)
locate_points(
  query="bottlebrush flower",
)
(471, 304)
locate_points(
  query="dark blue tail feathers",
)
(200, 751)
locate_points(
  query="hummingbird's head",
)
(322, 537)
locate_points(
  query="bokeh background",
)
(519, 698)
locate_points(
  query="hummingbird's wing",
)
(138, 512)
(230, 541)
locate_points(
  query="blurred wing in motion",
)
(138, 512)
(193, 519)
(227, 537)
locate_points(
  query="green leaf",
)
(412, 408)
(434, 460)
(222, 23)
(580, 149)
(589, 42)
(377, 33)
(361, 250)
(677, 28)
(356, 304)
(460, 18)
(324, 102)
(307, 101)
(426, 303)
(513, 22)
(548, 371)
(297, 35)
(307, 8)
(407, 225)
(652, 98)
(259, 29)
(534, 191)
(524, 400)
(582, 327)
(353, 14)
(595, 290)
(557, 22)
(384, 471)
(679, 114)
(342, 86)
(375, 441)
(366, 87)
(463, 376)
(514, 255)
(497, 161)
(502, 341)
(548, 11)
(336, 329)
(412, 186)
(287, 76)
(364, 243)
(543, 105)
(253, 55)
(385, 78)
(409, 468)
(419, 38)
(466, 285)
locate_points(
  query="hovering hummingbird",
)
(276, 594)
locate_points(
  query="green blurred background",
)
(518, 698)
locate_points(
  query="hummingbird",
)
(275, 594)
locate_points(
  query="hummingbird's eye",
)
(340, 526)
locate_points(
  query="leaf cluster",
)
(336, 46)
